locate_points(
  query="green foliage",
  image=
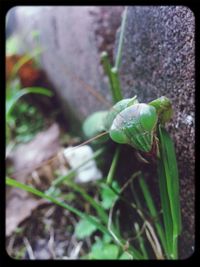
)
(108, 196)
(84, 228)
(91, 128)
(104, 251)
(92, 219)
(169, 189)
(155, 231)
(12, 99)
(27, 121)
(12, 45)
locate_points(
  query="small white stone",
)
(188, 120)
(77, 156)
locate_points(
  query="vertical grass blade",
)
(113, 166)
(167, 219)
(141, 241)
(170, 186)
(151, 206)
(121, 38)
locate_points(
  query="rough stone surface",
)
(158, 59)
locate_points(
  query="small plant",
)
(14, 93)
(141, 125)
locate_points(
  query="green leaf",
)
(92, 219)
(84, 228)
(108, 195)
(10, 103)
(125, 256)
(169, 187)
(153, 211)
(94, 125)
(12, 45)
(104, 251)
(107, 238)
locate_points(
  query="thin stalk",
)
(112, 72)
(151, 206)
(102, 214)
(107, 68)
(149, 228)
(16, 184)
(116, 84)
(131, 251)
(141, 241)
(112, 170)
(113, 77)
(167, 219)
(121, 38)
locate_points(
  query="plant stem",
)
(16, 184)
(102, 214)
(121, 38)
(151, 206)
(113, 167)
(113, 78)
(141, 241)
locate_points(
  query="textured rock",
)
(158, 59)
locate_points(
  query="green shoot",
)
(169, 189)
(121, 38)
(113, 166)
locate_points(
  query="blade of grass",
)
(91, 219)
(121, 38)
(141, 241)
(149, 228)
(67, 180)
(102, 214)
(151, 206)
(135, 253)
(171, 166)
(170, 174)
(16, 184)
(113, 166)
(34, 90)
(167, 219)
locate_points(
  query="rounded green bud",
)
(135, 126)
(117, 108)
